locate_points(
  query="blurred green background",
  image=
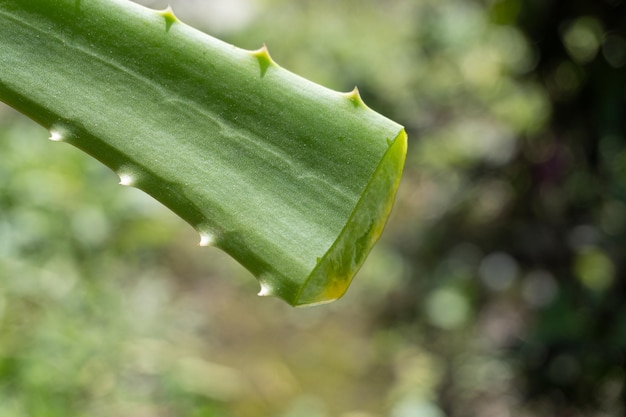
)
(498, 286)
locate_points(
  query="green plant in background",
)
(291, 179)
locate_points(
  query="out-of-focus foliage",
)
(498, 287)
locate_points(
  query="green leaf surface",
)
(293, 180)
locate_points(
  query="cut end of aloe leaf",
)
(334, 271)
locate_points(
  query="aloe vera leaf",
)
(293, 180)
